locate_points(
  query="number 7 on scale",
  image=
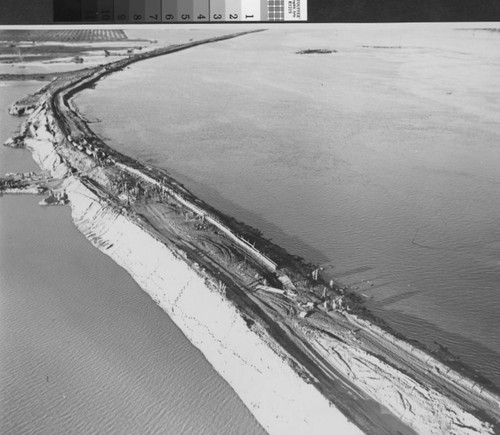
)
(152, 10)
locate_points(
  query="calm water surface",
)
(380, 161)
(82, 348)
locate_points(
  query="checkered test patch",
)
(276, 10)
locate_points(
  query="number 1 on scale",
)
(250, 10)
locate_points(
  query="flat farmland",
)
(64, 35)
(21, 46)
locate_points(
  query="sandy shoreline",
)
(333, 360)
(209, 321)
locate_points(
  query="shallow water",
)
(82, 348)
(379, 161)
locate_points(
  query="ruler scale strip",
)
(136, 10)
(200, 10)
(217, 10)
(121, 11)
(187, 11)
(152, 11)
(264, 16)
(169, 11)
(89, 11)
(250, 10)
(233, 10)
(105, 10)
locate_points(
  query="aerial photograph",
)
(250, 228)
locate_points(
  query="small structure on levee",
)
(56, 197)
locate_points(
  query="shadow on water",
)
(354, 271)
(396, 298)
(292, 244)
(427, 333)
(382, 284)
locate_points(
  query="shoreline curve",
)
(358, 367)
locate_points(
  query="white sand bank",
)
(280, 400)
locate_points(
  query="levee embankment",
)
(275, 394)
(301, 359)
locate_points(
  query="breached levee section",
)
(280, 400)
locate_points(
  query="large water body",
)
(82, 348)
(379, 161)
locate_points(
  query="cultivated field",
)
(74, 45)
(64, 35)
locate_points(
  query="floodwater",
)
(82, 348)
(379, 161)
